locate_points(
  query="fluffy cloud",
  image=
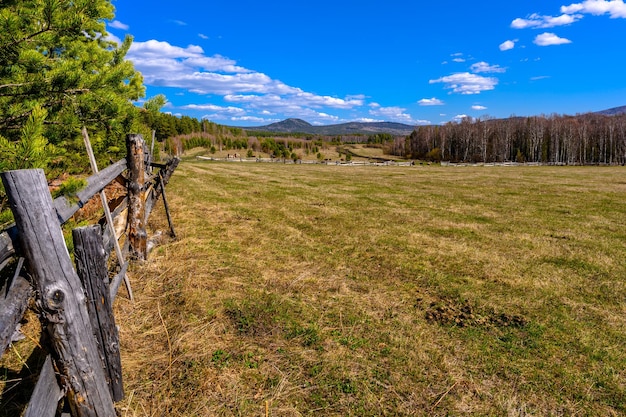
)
(394, 114)
(485, 67)
(616, 8)
(538, 21)
(467, 83)
(430, 102)
(190, 69)
(118, 25)
(214, 108)
(507, 45)
(547, 39)
(293, 100)
(253, 119)
(477, 107)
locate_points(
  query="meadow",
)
(377, 291)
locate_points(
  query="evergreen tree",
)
(58, 72)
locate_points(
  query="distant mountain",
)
(351, 128)
(287, 126)
(612, 112)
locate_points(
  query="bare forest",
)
(589, 139)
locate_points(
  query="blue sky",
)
(248, 63)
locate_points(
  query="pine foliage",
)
(58, 72)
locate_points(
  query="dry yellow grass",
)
(371, 291)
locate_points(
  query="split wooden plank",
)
(62, 298)
(92, 270)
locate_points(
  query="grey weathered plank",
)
(62, 298)
(46, 396)
(95, 183)
(8, 243)
(13, 304)
(165, 174)
(117, 280)
(92, 270)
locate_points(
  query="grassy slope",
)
(326, 290)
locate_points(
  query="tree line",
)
(586, 139)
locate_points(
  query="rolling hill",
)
(350, 128)
(613, 112)
(353, 128)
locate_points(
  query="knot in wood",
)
(56, 299)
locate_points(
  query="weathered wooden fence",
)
(75, 304)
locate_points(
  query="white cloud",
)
(478, 107)
(394, 114)
(538, 21)
(203, 36)
(254, 119)
(430, 102)
(166, 65)
(547, 39)
(507, 45)
(367, 120)
(292, 100)
(467, 83)
(540, 77)
(485, 67)
(180, 22)
(190, 69)
(460, 117)
(118, 25)
(459, 60)
(616, 8)
(214, 108)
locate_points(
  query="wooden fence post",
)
(92, 270)
(137, 235)
(61, 295)
(13, 304)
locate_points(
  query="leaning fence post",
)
(92, 269)
(61, 295)
(137, 235)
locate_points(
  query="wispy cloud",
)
(548, 39)
(394, 114)
(430, 102)
(212, 107)
(116, 24)
(190, 69)
(467, 83)
(507, 45)
(616, 8)
(541, 22)
(292, 100)
(179, 22)
(485, 67)
(478, 107)
(539, 77)
(203, 36)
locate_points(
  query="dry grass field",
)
(381, 291)
(371, 291)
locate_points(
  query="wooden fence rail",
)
(75, 304)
